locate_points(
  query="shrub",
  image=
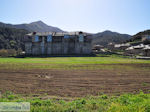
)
(3, 53)
(7, 52)
(11, 52)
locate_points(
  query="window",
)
(66, 36)
(81, 38)
(36, 38)
(49, 38)
(57, 39)
(87, 39)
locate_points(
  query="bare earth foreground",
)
(77, 83)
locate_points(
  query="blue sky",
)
(124, 16)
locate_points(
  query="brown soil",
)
(76, 83)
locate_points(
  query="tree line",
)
(11, 40)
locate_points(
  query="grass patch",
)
(145, 84)
(66, 62)
(74, 60)
(103, 103)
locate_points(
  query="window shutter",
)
(66, 36)
(49, 38)
(81, 38)
(36, 38)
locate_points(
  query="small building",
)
(60, 43)
(118, 47)
(97, 47)
(143, 50)
(146, 38)
(121, 46)
(110, 46)
(146, 50)
(135, 50)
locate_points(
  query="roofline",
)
(58, 33)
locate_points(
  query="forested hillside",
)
(139, 35)
(107, 37)
(11, 38)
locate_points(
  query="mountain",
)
(11, 35)
(11, 38)
(37, 26)
(106, 37)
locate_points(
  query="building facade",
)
(52, 43)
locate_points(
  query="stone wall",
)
(65, 46)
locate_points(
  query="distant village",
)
(139, 48)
